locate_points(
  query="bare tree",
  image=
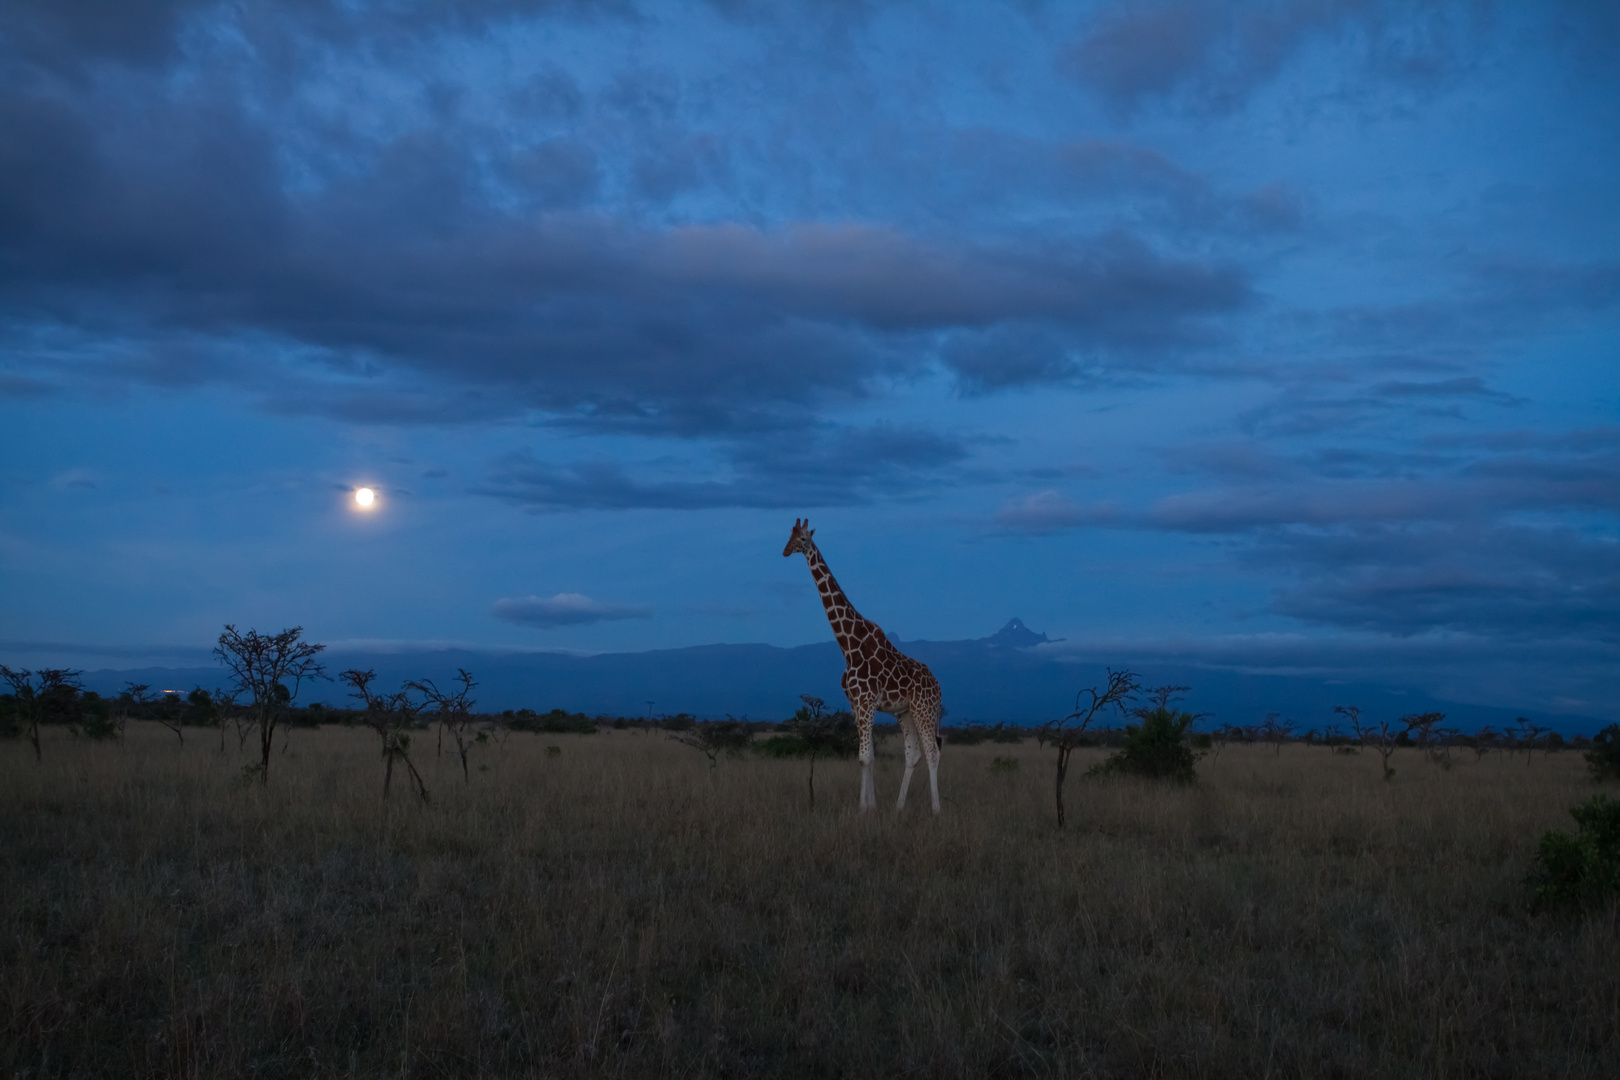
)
(226, 708)
(1529, 733)
(1379, 738)
(263, 664)
(1068, 732)
(454, 714)
(131, 697)
(1276, 730)
(170, 713)
(391, 716)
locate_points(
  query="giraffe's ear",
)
(811, 532)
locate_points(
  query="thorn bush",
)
(1156, 748)
(1604, 758)
(1580, 869)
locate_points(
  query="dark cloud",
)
(1468, 386)
(1501, 581)
(1210, 57)
(563, 609)
(1487, 535)
(804, 466)
(65, 35)
(407, 266)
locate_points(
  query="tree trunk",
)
(1062, 771)
(267, 743)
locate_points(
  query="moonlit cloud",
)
(563, 609)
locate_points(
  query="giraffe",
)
(877, 677)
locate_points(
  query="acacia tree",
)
(455, 714)
(263, 664)
(1432, 739)
(1529, 733)
(1068, 732)
(32, 697)
(1379, 738)
(391, 716)
(1276, 731)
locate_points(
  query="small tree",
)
(1529, 733)
(170, 712)
(1380, 738)
(1276, 730)
(1066, 733)
(39, 692)
(391, 716)
(1157, 747)
(263, 664)
(455, 715)
(1483, 742)
(711, 738)
(822, 734)
(1603, 760)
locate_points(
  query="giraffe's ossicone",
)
(877, 677)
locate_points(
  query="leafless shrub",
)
(1066, 733)
(454, 715)
(391, 716)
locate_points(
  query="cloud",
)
(1210, 57)
(563, 609)
(1502, 581)
(1048, 511)
(802, 465)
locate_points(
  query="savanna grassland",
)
(619, 908)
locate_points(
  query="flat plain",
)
(617, 907)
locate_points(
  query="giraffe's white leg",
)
(913, 755)
(929, 731)
(863, 723)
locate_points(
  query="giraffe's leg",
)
(913, 755)
(863, 723)
(928, 731)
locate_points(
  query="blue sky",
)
(1278, 337)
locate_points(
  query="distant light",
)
(365, 497)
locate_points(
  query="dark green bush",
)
(1156, 748)
(1604, 757)
(1584, 868)
(95, 717)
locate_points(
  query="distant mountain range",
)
(1005, 677)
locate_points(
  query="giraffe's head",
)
(800, 539)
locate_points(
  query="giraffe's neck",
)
(840, 612)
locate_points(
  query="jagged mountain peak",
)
(1015, 635)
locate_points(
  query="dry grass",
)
(621, 909)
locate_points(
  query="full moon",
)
(365, 496)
